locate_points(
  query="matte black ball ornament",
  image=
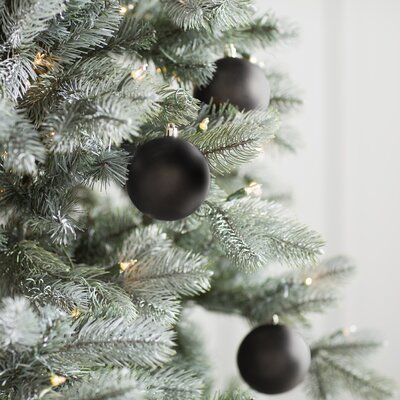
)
(169, 178)
(273, 359)
(239, 82)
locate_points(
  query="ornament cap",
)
(172, 130)
(230, 51)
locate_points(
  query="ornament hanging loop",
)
(172, 130)
(230, 51)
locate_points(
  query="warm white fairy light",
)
(275, 319)
(203, 126)
(123, 10)
(308, 281)
(161, 70)
(254, 189)
(124, 265)
(353, 329)
(75, 312)
(350, 330)
(57, 380)
(139, 74)
(43, 63)
(253, 60)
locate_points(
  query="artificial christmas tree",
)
(92, 291)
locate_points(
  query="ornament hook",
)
(172, 130)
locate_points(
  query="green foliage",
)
(287, 139)
(174, 383)
(333, 374)
(254, 232)
(21, 23)
(20, 145)
(94, 23)
(134, 35)
(3, 240)
(120, 384)
(197, 14)
(114, 342)
(107, 228)
(291, 296)
(233, 141)
(234, 394)
(26, 337)
(337, 359)
(260, 32)
(179, 272)
(19, 326)
(283, 96)
(124, 384)
(175, 105)
(159, 273)
(191, 352)
(108, 166)
(45, 278)
(25, 20)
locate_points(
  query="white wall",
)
(345, 180)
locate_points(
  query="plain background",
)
(346, 178)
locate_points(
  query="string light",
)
(75, 313)
(39, 58)
(253, 60)
(57, 380)
(139, 73)
(275, 319)
(353, 329)
(123, 10)
(43, 63)
(203, 126)
(124, 265)
(308, 281)
(162, 70)
(350, 330)
(253, 189)
(49, 136)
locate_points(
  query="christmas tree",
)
(94, 292)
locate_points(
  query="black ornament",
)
(273, 359)
(169, 178)
(238, 82)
